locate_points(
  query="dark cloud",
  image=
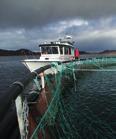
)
(24, 23)
(31, 13)
(99, 44)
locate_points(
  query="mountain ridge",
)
(20, 52)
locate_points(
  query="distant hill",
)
(83, 52)
(108, 52)
(23, 52)
(17, 52)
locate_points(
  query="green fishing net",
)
(72, 112)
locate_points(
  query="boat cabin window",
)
(49, 50)
(54, 50)
(67, 51)
(45, 50)
(61, 50)
(72, 51)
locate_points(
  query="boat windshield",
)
(49, 50)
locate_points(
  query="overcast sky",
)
(27, 23)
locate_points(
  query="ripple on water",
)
(93, 105)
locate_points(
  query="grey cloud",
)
(31, 13)
(16, 39)
(98, 44)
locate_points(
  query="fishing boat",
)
(55, 51)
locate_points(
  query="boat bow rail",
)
(15, 90)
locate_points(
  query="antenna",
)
(68, 37)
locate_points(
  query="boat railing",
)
(9, 98)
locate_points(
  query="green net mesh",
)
(72, 112)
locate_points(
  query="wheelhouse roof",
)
(57, 44)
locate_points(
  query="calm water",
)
(92, 106)
(11, 69)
